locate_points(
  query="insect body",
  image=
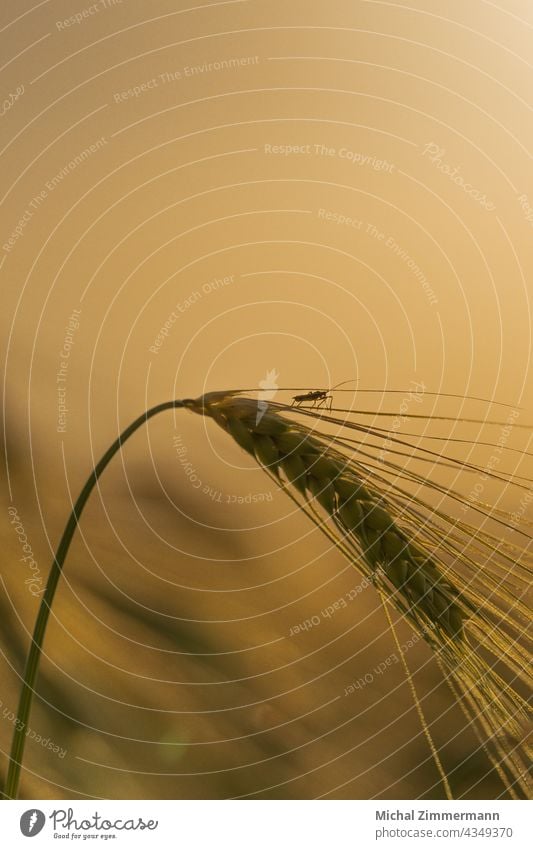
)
(317, 397)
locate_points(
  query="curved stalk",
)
(35, 652)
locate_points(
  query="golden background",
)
(170, 671)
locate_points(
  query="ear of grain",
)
(462, 622)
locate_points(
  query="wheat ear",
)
(370, 533)
(33, 659)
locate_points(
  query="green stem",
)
(34, 655)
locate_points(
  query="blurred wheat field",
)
(199, 650)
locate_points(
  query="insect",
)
(318, 397)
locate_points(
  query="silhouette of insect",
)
(317, 397)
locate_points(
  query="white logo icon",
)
(269, 386)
